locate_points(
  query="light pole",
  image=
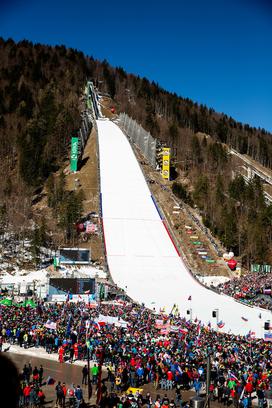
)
(208, 379)
(88, 360)
(190, 312)
(215, 313)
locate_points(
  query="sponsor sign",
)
(166, 163)
(74, 298)
(74, 154)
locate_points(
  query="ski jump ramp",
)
(141, 256)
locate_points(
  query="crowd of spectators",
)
(252, 289)
(167, 351)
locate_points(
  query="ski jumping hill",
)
(141, 255)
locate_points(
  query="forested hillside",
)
(40, 87)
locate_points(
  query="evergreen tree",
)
(180, 191)
(201, 191)
(38, 240)
(237, 188)
(196, 150)
(70, 213)
(219, 191)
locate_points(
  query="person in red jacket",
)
(41, 396)
(249, 388)
(26, 393)
(61, 354)
(64, 389)
(76, 351)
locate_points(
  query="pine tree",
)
(70, 213)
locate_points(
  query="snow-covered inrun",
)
(141, 256)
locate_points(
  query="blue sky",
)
(216, 52)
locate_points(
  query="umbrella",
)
(30, 303)
(6, 302)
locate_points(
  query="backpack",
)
(71, 392)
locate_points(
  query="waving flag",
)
(183, 331)
(50, 325)
(231, 375)
(220, 324)
(68, 328)
(268, 337)
(251, 335)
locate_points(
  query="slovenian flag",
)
(268, 337)
(220, 324)
(183, 331)
(251, 335)
(68, 328)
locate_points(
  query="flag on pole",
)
(220, 324)
(50, 325)
(251, 335)
(68, 328)
(268, 337)
(183, 331)
(231, 375)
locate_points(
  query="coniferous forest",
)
(40, 89)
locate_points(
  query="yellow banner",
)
(166, 163)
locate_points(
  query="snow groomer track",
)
(141, 255)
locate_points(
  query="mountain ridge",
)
(40, 87)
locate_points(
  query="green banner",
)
(260, 268)
(74, 153)
(56, 262)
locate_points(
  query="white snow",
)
(212, 280)
(40, 275)
(38, 352)
(23, 280)
(141, 256)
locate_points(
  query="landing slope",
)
(141, 256)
